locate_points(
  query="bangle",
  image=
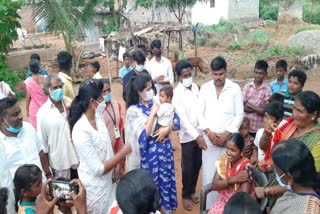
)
(266, 191)
(207, 133)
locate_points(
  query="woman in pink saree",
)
(35, 95)
(231, 175)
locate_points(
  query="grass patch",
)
(224, 27)
(301, 28)
(257, 37)
(278, 50)
(271, 23)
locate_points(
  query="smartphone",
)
(62, 189)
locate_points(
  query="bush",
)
(257, 37)
(234, 45)
(268, 9)
(307, 13)
(271, 23)
(212, 43)
(301, 28)
(278, 50)
(224, 27)
(12, 78)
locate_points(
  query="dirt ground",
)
(239, 73)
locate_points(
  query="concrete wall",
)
(206, 15)
(243, 9)
(141, 16)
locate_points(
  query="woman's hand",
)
(162, 134)
(241, 177)
(42, 204)
(259, 192)
(154, 109)
(126, 149)
(79, 200)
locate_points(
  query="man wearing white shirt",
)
(6, 180)
(159, 67)
(53, 130)
(185, 99)
(20, 140)
(220, 114)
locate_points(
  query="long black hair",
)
(25, 176)
(136, 84)
(4, 194)
(88, 89)
(294, 158)
(137, 193)
(34, 66)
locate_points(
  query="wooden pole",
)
(168, 49)
(195, 44)
(108, 63)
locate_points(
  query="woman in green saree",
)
(303, 126)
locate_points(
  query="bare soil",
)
(240, 73)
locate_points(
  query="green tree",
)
(8, 23)
(65, 17)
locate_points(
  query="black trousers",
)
(191, 162)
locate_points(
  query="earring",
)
(312, 118)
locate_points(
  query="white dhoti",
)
(209, 158)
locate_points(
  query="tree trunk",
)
(311, 14)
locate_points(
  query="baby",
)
(165, 113)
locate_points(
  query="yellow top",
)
(67, 87)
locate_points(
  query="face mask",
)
(149, 95)
(107, 98)
(187, 82)
(13, 129)
(139, 68)
(157, 53)
(57, 95)
(101, 106)
(287, 186)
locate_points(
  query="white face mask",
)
(187, 82)
(149, 95)
(101, 106)
(139, 68)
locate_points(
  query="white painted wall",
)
(206, 15)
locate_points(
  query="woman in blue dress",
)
(152, 153)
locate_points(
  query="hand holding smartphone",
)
(63, 189)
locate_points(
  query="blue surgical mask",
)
(13, 129)
(57, 95)
(139, 68)
(280, 182)
(107, 98)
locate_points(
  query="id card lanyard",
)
(114, 120)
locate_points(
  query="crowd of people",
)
(126, 165)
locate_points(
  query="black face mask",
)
(157, 53)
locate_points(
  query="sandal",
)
(195, 198)
(187, 205)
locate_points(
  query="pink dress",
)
(38, 98)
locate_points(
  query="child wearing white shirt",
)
(165, 113)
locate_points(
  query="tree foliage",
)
(65, 17)
(8, 23)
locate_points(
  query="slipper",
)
(195, 198)
(187, 205)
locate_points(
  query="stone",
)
(310, 40)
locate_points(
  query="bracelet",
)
(207, 133)
(266, 191)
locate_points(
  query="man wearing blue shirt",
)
(127, 67)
